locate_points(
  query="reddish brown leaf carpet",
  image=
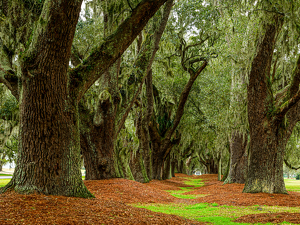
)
(113, 196)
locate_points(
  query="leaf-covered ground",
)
(115, 199)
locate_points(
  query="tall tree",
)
(49, 150)
(271, 117)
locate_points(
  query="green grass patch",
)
(189, 181)
(213, 213)
(1, 174)
(217, 215)
(4, 182)
(194, 182)
(292, 185)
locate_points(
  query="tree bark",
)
(238, 159)
(268, 132)
(140, 162)
(167, 169)
(173, 167)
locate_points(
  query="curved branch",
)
(290, 166)
(288, 105)
(103, 56)
(293, 94)
(183, 98)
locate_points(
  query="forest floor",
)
(182, 199)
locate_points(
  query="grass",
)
(217, 215)
(4, 182)
(1, 174)
(292, 185)
(180, 193)
(213, 213)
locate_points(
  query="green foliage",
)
(10, 108)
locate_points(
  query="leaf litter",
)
(114, 196)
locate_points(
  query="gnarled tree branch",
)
(103, 56)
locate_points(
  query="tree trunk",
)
(1, 166)
(265, 169)
(49, 150)
(180, 166)
(98, 131)
(173, 167)
(50, 132)
(140, 162)
(167, 169)
(157, 162)
(238, 158)
(220, 169)
(268, 135)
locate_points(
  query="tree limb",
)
(145, 60)
(293, 93)
(103, 56)
(290, 166)
(10, 80)
(183, 98)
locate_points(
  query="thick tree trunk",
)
(267, 130)
(99, 157)
(238, 158)
(1, 166)
(49, 132)
(49, 149)
(157, 162)
(265, 169)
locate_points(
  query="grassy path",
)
(213, 213)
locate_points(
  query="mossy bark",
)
(98, 131)
(167, 173)
(238, 159)
(271, 122)
(140, 162)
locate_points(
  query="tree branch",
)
(183, 98)
(10, 80)
(76, 57)
(176, 141)
(144, 60)
(290, 166)
(293, 93)
(103, 56)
